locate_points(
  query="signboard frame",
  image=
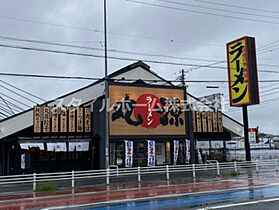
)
(251, 69)
(153, 135)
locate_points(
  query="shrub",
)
(46, 187)
(233, 173)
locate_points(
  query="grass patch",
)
(233, 173)
(46, 187)
(230, 173)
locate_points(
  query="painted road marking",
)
(241, 204)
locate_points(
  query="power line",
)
(270, 50)
(268, 94)
(200, 12)
(268, 90)
(18, 94)
(268, 45)
(271, 65)
(14, 106)
(265, 102)
(6, 104)
(15, 100)
(236, 6)
(218, 9)
(1, 113)
(116, 58)
(98, 49)
(100, 31)
(28, 93)
(272, 89)
(119, 79)
(49, 76)
(7, 111)
(126, 52)
(98, 56)
(268, 86)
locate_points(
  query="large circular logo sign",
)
(147, 106)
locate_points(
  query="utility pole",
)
(106, 89)
(189, 120)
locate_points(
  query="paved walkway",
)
(100, 196)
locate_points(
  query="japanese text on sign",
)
(144, 110)
(242, 72)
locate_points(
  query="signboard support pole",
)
(246, 138)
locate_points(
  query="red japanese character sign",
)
(147, 106)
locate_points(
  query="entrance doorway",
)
(140, 153)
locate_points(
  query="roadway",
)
(241, 192)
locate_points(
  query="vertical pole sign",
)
(80, 119)
(194, 121)
(204, 123)
(54, 119)
(215, 122)
(63, 119)
(87, 119)
(37, 119)
(72, 119)
(199, 121)
(46, 119)
(243, 79)
(209, 122)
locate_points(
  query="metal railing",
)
(137, 173)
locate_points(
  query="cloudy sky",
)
(181, 32)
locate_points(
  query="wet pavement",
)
(182, 194)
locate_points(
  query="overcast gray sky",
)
(195, 30)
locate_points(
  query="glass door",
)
(140, 153)
(117, 154)
(160, 153)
